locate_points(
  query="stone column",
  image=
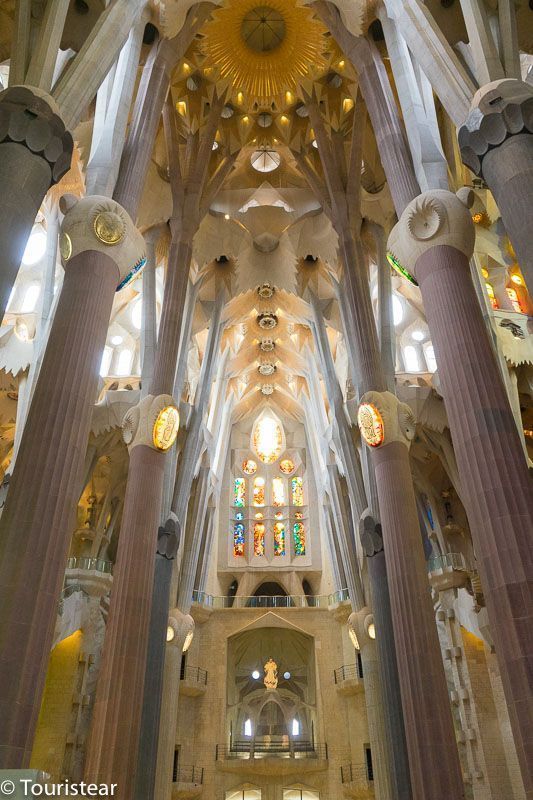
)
(376, 710)
(496, 143)
(434, 240)
(183, 626)
(149, 311)
(99, 246)
(167, 547)
(193, 531)
(388, 426)
(149, 429)
(372, 542)
(35, 153)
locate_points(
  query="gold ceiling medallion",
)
(109, 227)
(264, 50)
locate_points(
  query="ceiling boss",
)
(265, 49)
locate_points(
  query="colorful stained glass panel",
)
(298, 533)
(278, 492)
(279, 539)
(259, 492)
(239, 492)
(297, 486)
(238, 539)
(259, 539)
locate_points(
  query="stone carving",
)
(168, 539)
(437, 217)
(139, 421)
(398, 419)
(30, 117)
(99, 223)
(499, 110)
(271, 675)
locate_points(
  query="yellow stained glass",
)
(259, 491)
(259, 539)
(286, 466)
(267, 439)
(278, 492)
(249, 466)
(279, 539)
(297, 485)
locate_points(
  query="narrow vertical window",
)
(239, 492)
(297, 491)
(278, 492)
(279, 539)
(259, 491)
(259, 539)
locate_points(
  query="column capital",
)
(361, 624)
(499, 110)
(99, 223)
(383, 419)
(30, 117)
(437, 217)
(182, 627)
(154, 423)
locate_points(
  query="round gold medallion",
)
(109, 227)
(370, 424)
(65, 246)
(166, 428)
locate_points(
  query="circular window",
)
(265, 160)
(263, 29)
(286, 466)
(249, 466)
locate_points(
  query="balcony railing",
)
(281, 749)
(86, 563)
(194, 675)
(191, 775)
(348, 672)
(355, 775)
(267, 601)
(447, 561)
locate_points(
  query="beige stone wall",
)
(341, 720)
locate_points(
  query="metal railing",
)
(447, 561)
(348, 672)
(194, 775)
(96, 564)
(262, 749)
(194, 675)
(268, 601)
(357, 775)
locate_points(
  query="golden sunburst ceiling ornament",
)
(264, 50)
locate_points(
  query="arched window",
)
(279, 539)
(259, 539)
(278, 492)
(107, 355)
(30, 298)
(515, 302)
(124, 362)
(239, 492)
(492, 297)
(410, 355)
(259, 491)
(247, 727)
(429, 355)
(297, 486)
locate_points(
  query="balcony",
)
(193, 681)
(349, 679)
(447, 571)
(272, 757)
(94, 574)
(187, 782)
(355, 782)
(325, 601)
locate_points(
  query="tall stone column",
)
(496, 143)
(372, 542)
(149, 429)
(434, 240)
(35, 153)
(387, 427)
(99, 246)
(183, 627)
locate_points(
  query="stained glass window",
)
(249, 466)
(239, 492)
(278, 492)
(279, 539)
(298, 533)
(297, 486)
(259, 492)
(286, 466)
(259, 539)
(267, 438)
(513, 297)
(238, 539)
(278, 515)
(492, 297)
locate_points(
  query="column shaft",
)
(433, 757)
(498, 489)
(508, 170)
(113, 748)
(37, 521)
